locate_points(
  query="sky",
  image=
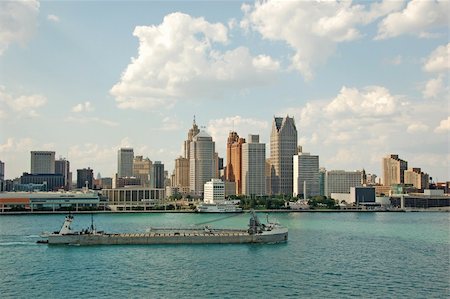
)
(361, 79)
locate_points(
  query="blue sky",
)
(362, 79)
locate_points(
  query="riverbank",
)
(441, 209)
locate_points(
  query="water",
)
(338, 255)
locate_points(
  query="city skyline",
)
(360, 79)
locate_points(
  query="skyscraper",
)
(253, 166)
(85, 177)
(181, 175)
(234, 160)
(42, 162)
(125, 157)
(306, 175)
(340, 181)
(142, 169)
(393, 170)
(187, 143)
(283, 147)
(62, 166)
(417, 178)
(202, 166)
(158, 175)
(2, 176)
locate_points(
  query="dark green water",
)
(335, 255)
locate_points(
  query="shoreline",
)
(19, 213)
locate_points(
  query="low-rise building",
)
(214, 191)
(133, 198)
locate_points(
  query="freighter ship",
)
(257, 232)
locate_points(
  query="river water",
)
(335, 255)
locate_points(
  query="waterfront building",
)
(133, 198)
(42, 162)
(119, 182)
(142, 169)
(85, 178)
(233, 171)
(214, 191)
(125, 157)
(202, 162)
(49, 201)
(340, 181)
(53, 182)
(158, 175)
(417, 178)
(393, 170)
(306, 175)
(283, 147)
(181, 175)
(62, 167)
(362, 195)
(253, 166)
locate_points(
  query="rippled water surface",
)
(370, 255)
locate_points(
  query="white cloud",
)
(179, 59)
(439, 60)
(433, 87)
(371, 101)
(22, 105)
(18, 21)
(53, 18)
(419, 18)
(358, 126)
(444, 126)
(83, 107)
(312, 29)
(417, 128)
(219, 129)
(91, 120)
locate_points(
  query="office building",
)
(42, 162)
(340, 181)
(362, 195)
(125, 157)
(233, 171)
(214, 191)
(53, 182)
(306, 175)
(417, 178)
(253, 166)
(283, 147)
(142, 169)
(202, 166)
(2, 176)
(85, 178)
(322, 173)
(133, 198)
(181, 175)
(393, 170)
(62, 167)
(158, 175)
(187, 143)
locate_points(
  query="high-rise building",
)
(417, 178)
(181, 175)
(322, 173)
(393, 170)
(187, 143)
(253, 166)
(202, 166)
(234, 160)
(306, 175)
(142, 169)
(2, 176)
(267, 174)
(85, 177)
(42, 162)
(340, 181)
(283, 147)
(62, 166)
(158, 176)
(125, 157)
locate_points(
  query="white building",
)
(202, 162)
(340, 181)
(253, 166)
(214, 191)
(125, 157)
(306, 175)
(42, 162)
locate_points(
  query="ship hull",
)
(174, 237)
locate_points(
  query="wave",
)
(18, 243)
